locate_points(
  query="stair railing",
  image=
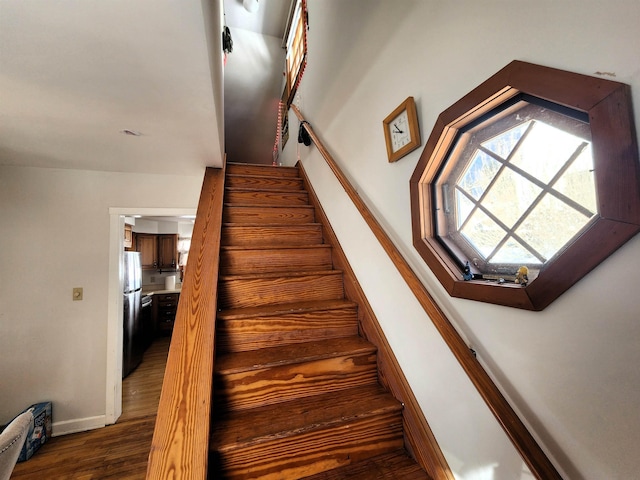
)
(523, 441)
(180, 445)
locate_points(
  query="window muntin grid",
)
(521, 186)
(296, 50)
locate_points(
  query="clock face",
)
(399, 130)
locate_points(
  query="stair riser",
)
(313, 452)
(263, 183)
(248, 197)
(239, 262)
(261, 170)
(267, 386)
(282, 215)
(257, 235)
(253, 292)
(261, 332)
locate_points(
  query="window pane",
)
(510, 196)
(578, 182)
(483, 233)
(514, 253)
(296, 50)
(503, 144)
(551, 225)
(500, 179)
(545, 150)
(478, 174)
(463, 208)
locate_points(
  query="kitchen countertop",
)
(159, 291)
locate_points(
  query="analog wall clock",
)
(401, 131)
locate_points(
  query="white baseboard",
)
(77, 425)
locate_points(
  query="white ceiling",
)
(270, 19)
(75, 74)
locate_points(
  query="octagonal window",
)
(535, 168)
(517, 188)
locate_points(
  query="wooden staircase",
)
(296, 392)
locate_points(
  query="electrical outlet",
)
(77, 293)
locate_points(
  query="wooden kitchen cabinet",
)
(147, 245)
(165, 307)
(158, 252)
(168, 252)
(128, 237)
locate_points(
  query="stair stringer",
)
(420, 441)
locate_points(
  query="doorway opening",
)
(114, 336)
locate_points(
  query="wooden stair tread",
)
(258, 197)
(247, 427)
(273, 247)
(252, 290)
(296, 388)
(268, 207)
(268, 214)
(255, 169)
(272, 235)
(252, 234)
(270, 275)
(291, 354)
(265, 175)
(269, 225)
(270, 192)
(265, 182)
(396, 465)
(248, 260)
(284, 308)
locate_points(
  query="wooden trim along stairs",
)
(532, 454)
(298, 391)
(179, 449)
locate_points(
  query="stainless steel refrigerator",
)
(133, 341)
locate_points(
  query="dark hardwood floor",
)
(117, 451)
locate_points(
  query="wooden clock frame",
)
(414, 131)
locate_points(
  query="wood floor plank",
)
(117, 451)
(141, 389)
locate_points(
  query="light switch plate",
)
(77, 293)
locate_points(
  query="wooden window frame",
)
(296, 45)
(493, 125)
(617, 176)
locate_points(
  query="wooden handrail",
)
(180, 445)
(523, 441)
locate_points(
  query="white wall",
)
(571, 370)
(252, 89)
(55, 236)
